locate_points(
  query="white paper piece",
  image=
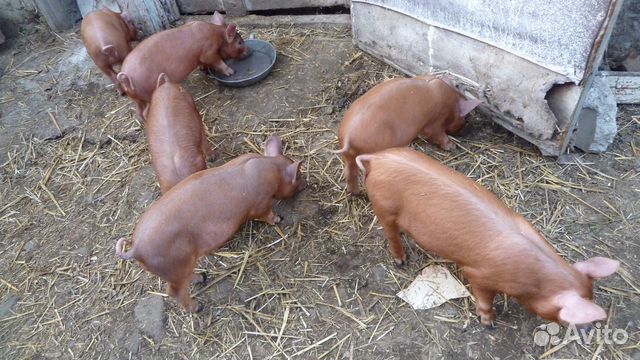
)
(433, 287)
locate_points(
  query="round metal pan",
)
(251, 69)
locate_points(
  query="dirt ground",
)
(75, 176)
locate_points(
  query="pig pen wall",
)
(625, 39)
(16, 16)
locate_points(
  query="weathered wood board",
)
(239, 7)
(149, 16)
(59, 14)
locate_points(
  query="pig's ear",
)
(597, 267)
(447, 80)
(217, 19)
(230, 33)
(125, 80)
(574, 309)
(465, 106)
(292, 172)
(125, 15)
(162, 78)
(273, 146)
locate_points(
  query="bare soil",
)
(75, 176)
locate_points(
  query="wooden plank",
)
(199, 6)
(235, 7)
(59, 14)
(255, 5)
(624, 85)
(149, 16)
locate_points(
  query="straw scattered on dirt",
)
(320, 285)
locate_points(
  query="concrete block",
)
(596, 127)
(59, 14)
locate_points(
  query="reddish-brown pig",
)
(177, 52)
(107, 36)
(175, 133)
(395, 112)
(497, 250)
(204, 211)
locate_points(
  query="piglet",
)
(497, 250)
(395, 112)
(204, 211)
(176, 136)
(107, 36)
(177, 52)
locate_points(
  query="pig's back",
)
(101, 28)
(441, 209)
(392, 114)
(173, 52)
(174, 133)
(213, 202)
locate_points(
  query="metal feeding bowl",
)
(251, 69)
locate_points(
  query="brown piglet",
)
(175, 133)
(395, 112)
(177, 52)
(106, 36)
(204, 211)
(497, 249)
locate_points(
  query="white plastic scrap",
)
(433, 287)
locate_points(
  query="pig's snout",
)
(247, 51)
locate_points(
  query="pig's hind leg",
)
(392, 232)
(351, 174)
(178, 284)
(107, 69)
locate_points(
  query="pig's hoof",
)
(275, 220)
(212, 155)
(490, 326)
(199, 278)
(355, 191)
(449, 146)
(194, 307)
(401, 261)
(487, 322)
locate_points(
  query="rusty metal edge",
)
(595, 58)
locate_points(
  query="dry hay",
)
(319, 285)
